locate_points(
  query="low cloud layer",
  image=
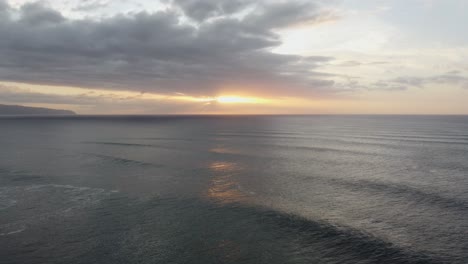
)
(198, 47)
(452, 78)
(91, 102)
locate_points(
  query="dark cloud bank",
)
(194, 47)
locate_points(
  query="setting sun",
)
(238, 100)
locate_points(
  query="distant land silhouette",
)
(23, 110)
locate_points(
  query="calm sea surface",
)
(271, 189)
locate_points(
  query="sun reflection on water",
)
(223, 150)
(223, 187)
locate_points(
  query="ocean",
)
(234, 189)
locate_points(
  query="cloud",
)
(410, 80)
(4, 6)
(13, 94)
(228, 46)
(91, 102)
(450, 78)
(354, 85)
(90, 5)
(35, 14)
(388, 86)
(201, 10)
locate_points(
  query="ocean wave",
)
(413, 139)
(122, 161)
(287, 238)
(121, 144)
(413, 194)
(11, 229)
(62, 198)
(118, 144)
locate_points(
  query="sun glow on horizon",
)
(226, 99)
(239, 100)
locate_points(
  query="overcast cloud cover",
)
(194, 46)
(297, 48)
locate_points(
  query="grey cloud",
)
(353, 63)
(386, 86)
(450, 78)
(4, 11)
(90, 5)
(455, 72)
(15, 94)
(156, 52)
(412, 81)
(350, 64)
(378, 63)
(18, 96)
(263, 14)
(200, 10)
(37, 14)
(353, 84)
(90, 103)
(277, 15)
(4, 6)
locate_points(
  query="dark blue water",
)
(271, 189)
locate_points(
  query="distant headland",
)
(23, 110)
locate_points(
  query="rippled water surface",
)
(259, 189)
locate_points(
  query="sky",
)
(236, 56)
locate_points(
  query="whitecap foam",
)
(11, 229)
(13, 232)
(50, 200)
